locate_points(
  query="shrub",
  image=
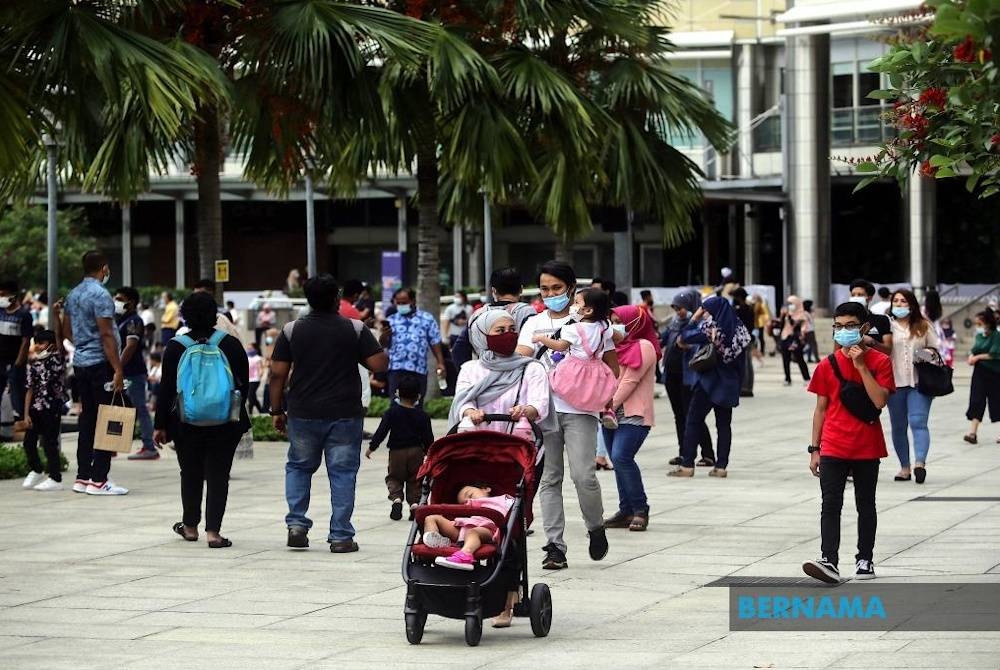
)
(263, 430)
(14, 464)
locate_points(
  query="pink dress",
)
(501, 504)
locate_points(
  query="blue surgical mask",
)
(900, 312)
(403, 309)
(618, 328)
(847, 337)
(557, 303)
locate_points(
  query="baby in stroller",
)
(471, 531)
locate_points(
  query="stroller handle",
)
(506, 418)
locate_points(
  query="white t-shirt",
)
(543, 324)
(596, 335)
(452, 312)
(880, 307)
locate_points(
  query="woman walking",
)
(632, 404)
(985, 359)
(908, 407)
(795, 325)
(717, 388)
(205, 453)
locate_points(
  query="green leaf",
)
(937, 160)
(884, 94)
(865, 182)
(944, 172)
(988, 192)
(866, 166)
(970, 183)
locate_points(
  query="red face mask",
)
(503, 344)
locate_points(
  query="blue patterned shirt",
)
(412, 338)
(87, 303)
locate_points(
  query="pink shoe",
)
(609, 421)
(457, 561)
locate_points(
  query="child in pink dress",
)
(472, 531)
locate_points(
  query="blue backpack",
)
(206, 390)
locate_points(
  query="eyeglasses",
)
(837, 327)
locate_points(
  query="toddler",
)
(472, 531)
(44, 403)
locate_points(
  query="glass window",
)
(868, 82)
(843, 85)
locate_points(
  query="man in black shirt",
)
(131, 331)
(319, 354)
(15, 334)
(879, 337)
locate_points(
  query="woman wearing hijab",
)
(500, 381)
(717, 388)
(638, 353)
(795, 325)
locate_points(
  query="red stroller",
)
(507, 462)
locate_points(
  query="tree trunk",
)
(208, 165)
(564, 252)
(428, 237)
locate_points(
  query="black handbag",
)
(854, 397)
(933, 376)
(704, 359)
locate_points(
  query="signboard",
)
(221, 272)
(392, 275)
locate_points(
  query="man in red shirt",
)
(352, 289)
(844, 445)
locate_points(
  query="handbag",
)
(115, 426)
(704, 359)
(933, 376)
(854, 397)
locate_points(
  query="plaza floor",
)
(89, 582)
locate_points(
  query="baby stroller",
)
(507, 463)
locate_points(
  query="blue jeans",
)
(602, 444)
(340, 442)
(623, 444)
(908, 408)
(137, 394)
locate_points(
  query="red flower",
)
(934, 97)
(985, 55)
(918, 123)
(965, 52)
(995, 140)
(927, 170)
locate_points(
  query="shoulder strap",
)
(217, 337)
(184, 341)
(583, 341)
(287, 329)
(836, 368)
(358, 327)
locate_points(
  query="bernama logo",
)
(822, 607)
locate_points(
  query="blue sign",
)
(392, 275)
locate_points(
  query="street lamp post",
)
(310, 225)
(487, 239)
(52, 283)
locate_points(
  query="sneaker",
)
(555, 559)
(397, 510)
(435, 540)
(80, 485)
(413, 511)
(108, 488)
(32, 480)
(598, 544)
(144, 455)
(48, 485)
(609, 421)
(298, 537)
(865, 570)
(343, 546)
(823, 570)
(457, 561)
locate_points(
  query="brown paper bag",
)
(115, 427)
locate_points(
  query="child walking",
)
(409, 430)
(582, 375)
(847, 438)
(44, 403)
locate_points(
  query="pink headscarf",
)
(638, 326)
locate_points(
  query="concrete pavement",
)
(90, 582)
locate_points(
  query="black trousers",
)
(45, 426)
(205, 455)
(698, 411)
(253, 400)
(679, 396)
(985, 390)
(791, 348)
(92, 464)
(833, 474)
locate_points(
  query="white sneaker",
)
(49, 485)
(80, 485)
(32, 479)
(108, 488)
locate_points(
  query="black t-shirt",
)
(745, 314)
(880, 326)
(405, 426)
(325, 351)
(130, 328)
(14, 327)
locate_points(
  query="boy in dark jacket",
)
(844, 445)
(409, 430)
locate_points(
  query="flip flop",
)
(179, 529)
(221, 543)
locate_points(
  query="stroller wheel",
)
(540, 608)
(473, 630)
(415, 626)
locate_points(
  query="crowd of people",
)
(579, 362)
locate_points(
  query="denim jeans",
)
(339, 441)
(137, 394)
(92, 464)
(908, 408)
(623, 444)
(602, 444)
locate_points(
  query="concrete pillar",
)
(126, 245)
(706, 243)
(921, 196)
(457, 253)
(310, 226)
(808, 178)
(179, 270)
(52, 233)
(476, 260)
(745, 107)
(751, 245)
(401, 224)
(623, 256)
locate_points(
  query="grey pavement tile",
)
(203, 619)
(964, 660)
(8, 642)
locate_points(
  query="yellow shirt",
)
(171, 317)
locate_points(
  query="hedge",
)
(14, 464)
(263, 430)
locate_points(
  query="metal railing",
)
(858, 126)
(969, 303)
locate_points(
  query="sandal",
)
(639, 522)
(179, 529)
(618, 520)
(972, 439)
(221, 543)
(676, 460)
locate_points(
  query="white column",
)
(920, 199)
(179, 271)
(745, 107)
(126, 245)
(487, 238)
(456, 256)
(401, 224)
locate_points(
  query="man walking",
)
(15, 335)
(130, 332)
(90, 325)
(324, 420)
(411, 335)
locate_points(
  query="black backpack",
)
(854, 397)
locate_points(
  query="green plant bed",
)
(14, 464)
(263, 430)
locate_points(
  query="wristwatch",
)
(812, 449)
